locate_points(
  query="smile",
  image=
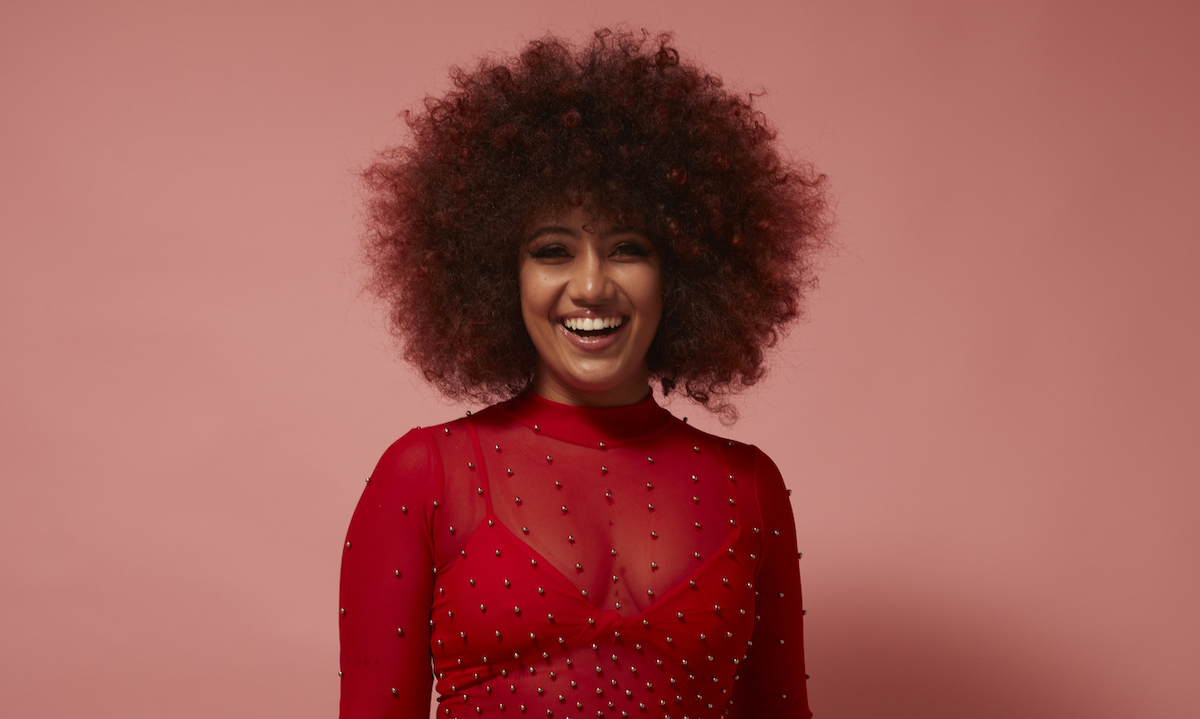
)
(592, 326)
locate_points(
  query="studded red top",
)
(560, 562)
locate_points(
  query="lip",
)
(583, 314)
(592, 344)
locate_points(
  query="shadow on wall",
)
(872, 656)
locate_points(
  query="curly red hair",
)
(619, 123)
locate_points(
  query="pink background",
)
(990, 422)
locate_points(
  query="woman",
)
(565, 227)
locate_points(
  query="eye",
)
(549, 252)
(630, 249)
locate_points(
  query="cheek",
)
(649, 292)
(536, 297)
(525, 286)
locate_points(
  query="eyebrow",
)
(552, 230)
(561, 230)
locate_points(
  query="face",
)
(591, 297)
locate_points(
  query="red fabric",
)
(563, 562)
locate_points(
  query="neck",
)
(548, 387)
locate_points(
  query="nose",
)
(591, 282)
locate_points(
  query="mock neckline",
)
(588, 425)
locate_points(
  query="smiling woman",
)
(591, 299)
(565, 227)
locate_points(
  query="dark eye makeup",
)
(549, 252)
(631, 248)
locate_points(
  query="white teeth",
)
(588, 324)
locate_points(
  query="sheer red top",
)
(559, 562)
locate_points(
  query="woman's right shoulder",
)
(422, 453)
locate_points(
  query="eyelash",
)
(548, 251)
(558, 251)
(630, 248)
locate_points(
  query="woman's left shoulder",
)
(743, 459)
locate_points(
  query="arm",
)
(772, 680)
(387, 588)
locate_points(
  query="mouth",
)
(589, 327)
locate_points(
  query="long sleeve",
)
(772, 680)
(387, 588)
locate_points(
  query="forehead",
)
(582, 220)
